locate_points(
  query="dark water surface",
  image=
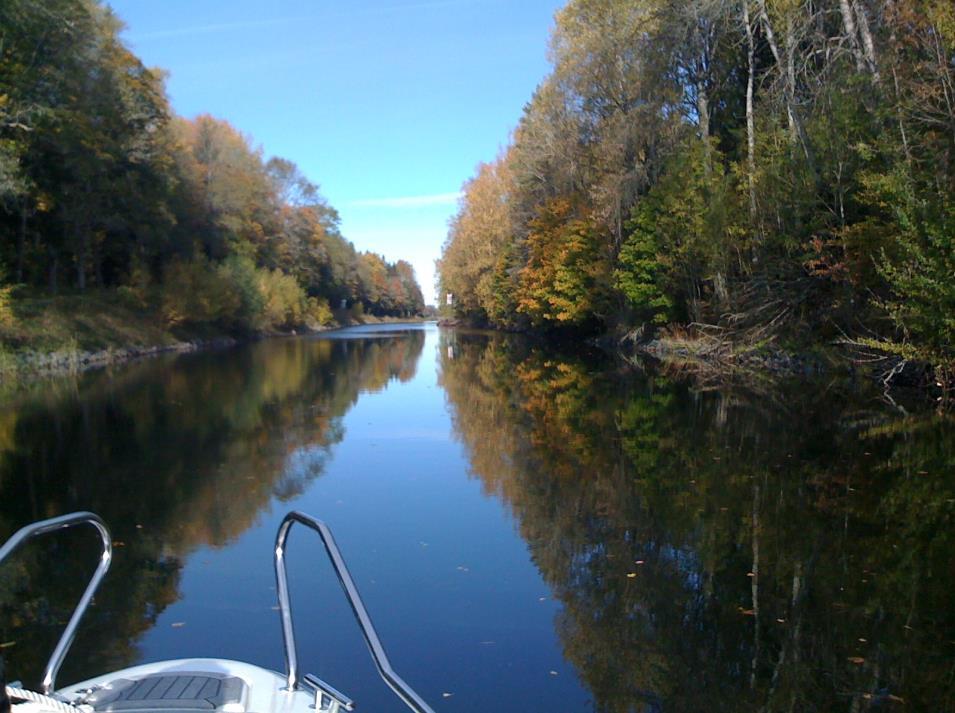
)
(531, 530)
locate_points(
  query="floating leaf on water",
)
(856, 660)
(553, 673)
(863, 641)
(747, 612)
(7, 644)
(178, 624)
(781, 621)
(446, 695)
(118, 543)
(750, 574)
(631, 575)
(639, 562)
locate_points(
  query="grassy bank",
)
(43, 334)
(75, 330)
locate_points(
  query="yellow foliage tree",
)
(479, 234)
(566, 278)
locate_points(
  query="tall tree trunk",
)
(849, 24)
(750, 119)
(790, 41)
(797, 130)
(703, 117)
(868, 46)
(21, 239)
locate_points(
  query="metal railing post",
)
(394, 681)
(69, 633)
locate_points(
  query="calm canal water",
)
(531, 530)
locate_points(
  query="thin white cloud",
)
(407, 201)
(214, 29)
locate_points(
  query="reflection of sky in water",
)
(458, 602)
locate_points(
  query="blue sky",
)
(388, 104)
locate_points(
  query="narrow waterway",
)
(531, 530)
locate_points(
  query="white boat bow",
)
(199, 685)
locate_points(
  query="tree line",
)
(757, 169)
(102, 185)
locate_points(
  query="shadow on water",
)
(721, 550)
(175, 454)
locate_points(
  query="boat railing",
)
(69, 633)
(401, 689)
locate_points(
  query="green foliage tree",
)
(678, 250)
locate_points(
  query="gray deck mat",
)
(175, 691)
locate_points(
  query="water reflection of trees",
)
(174, 455)
(713, 551)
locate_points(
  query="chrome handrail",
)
(69, 633)
(401, 689)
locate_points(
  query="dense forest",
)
(740, 171)
(103, 186)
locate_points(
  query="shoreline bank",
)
(52, 342)
(718, 361)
